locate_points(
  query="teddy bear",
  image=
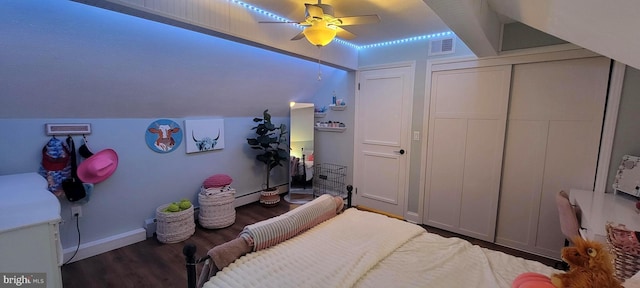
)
(590, 266)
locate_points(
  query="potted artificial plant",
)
(270, 140)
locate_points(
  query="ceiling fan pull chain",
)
(319, 67)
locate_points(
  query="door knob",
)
(401, 151)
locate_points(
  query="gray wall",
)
(519, 36)
(144, 179)
(627, 138)
(334, 147)
(418, 52)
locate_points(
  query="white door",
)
(467, 120)
(383, 119)
(553, 139)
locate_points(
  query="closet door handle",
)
(401, 151)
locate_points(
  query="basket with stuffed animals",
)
(216, 199)
(625, 247)
(175, 222)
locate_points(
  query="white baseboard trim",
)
(412, 217)
(100, 246)
(255, 196)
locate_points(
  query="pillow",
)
(270, 232)
(216, 181)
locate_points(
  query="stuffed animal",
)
(590, 266)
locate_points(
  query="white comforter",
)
(431, 260)
(364, 249)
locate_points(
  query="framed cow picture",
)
(204, 135)
(163, 135)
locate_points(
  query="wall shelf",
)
(337, 108)
(331, 129)
(319, 114)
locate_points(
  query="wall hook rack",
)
(53, 129)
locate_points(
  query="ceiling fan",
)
(321, 26)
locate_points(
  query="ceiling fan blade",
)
(299, 36)
(358, 20)
(313, 10)
(344, 34)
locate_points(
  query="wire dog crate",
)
(329, 179)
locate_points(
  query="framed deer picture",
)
(204, 135)
(163, 135)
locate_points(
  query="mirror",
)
(301, 154)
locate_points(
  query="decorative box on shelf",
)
(337, 107)
(332, 126)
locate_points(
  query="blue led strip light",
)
(394, 42)
(406, 40)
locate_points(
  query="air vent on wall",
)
(441, 46)
(67, 129)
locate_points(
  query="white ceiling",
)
(398, 19)
(596, 25)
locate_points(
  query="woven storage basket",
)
(217, 210)
(625, 248)
(173, 227)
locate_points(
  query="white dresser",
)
(598, 208)
(29, 233)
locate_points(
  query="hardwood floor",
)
(153, 264)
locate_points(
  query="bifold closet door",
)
(552, 143)
(467, 118)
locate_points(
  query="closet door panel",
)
(467, 121)
(568, 97)
(567, 165)
(482, 162)
(522, 182)
(560, 90)
(486, 100)
(449, 139)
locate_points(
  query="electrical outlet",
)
(76, 210)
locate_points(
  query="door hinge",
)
(358, 86)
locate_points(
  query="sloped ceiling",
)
(609, 28)
(605, 27)
(69, 60)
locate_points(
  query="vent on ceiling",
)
(441, 46)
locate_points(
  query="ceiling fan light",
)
(320, 34)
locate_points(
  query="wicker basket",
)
(173, 227)
(625, 248)
(217, 210)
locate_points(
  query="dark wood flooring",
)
(153, 264)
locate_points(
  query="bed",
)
(363, 249)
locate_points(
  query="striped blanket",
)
(267, 233)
